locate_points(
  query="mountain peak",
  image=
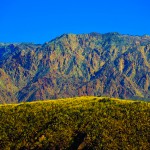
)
(78, 64)
(112, 33)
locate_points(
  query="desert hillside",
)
(76, 123)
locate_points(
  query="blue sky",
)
(39, 21)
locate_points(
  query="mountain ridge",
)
(110, 64)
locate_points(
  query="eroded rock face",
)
(7, 88)
(73, 65)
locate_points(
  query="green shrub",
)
(84, 122)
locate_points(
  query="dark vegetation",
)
(78, 123)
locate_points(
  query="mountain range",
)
(71, 65)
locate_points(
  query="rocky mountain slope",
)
(71, 65)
